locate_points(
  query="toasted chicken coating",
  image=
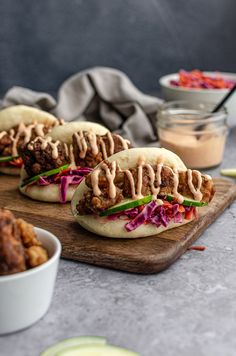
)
(103, 144)
(28, 235)
(36, 255)
(12, 256)
(19, 247)
(90, 204)
(40, 159)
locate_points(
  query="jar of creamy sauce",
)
(193, 132)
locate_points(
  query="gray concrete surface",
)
(188, 310)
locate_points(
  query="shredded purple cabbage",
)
(43, 181)
(178, 218)
(81, 171)
(70, 177)
(64, 185)
(142, 217)
(151, 213)
(129, 213)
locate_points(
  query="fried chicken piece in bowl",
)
(28, 266)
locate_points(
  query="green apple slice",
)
(73, 342)
(230, 172)
(188, 202)
(8, 158)
(44, 174)
(97, 350)
(129, 204)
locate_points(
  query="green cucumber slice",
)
(44, 174)
(8, 158)
(187, 202)
(97, 350)
(73, 342)
(130, 204)
(230, 172)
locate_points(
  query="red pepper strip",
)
(181, 209)
(167, 204)
(17, 162)
(197, 248)
(188, 215)
(58, 176)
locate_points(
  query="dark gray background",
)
(42, 42)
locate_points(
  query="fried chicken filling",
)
(91, 204)
(103, 144)
(39, 159)
(20, 248)
(6, 141)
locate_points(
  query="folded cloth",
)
(22, 96)
(102, 95)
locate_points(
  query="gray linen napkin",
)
(102, 95)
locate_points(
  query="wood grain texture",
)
(144, 255)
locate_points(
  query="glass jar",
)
(193, 132)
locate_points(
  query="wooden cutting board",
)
(144, 255)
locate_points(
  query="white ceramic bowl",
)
(172, 93)
(26, 296)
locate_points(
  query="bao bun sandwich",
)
(55, 165)
(140, 192)
(18, 125)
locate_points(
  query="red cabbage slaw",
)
(65, 179)
(197, 79)
(155, 214)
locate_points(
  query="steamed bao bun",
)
(64, 133)
(14, 115)
(127, 159)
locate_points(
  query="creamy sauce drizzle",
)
(25, 132)
(66, 149)
(81, 142)
(111, 143)
(136, 191)
(82, 137)
(72, 157)
(3, 133)
(125, 143)
(94, 181)
(176, 194)
(131, 182)
(103, 146)
(44, 142)
(195, 191)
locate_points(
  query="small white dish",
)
(26, 296)
(173, 93)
